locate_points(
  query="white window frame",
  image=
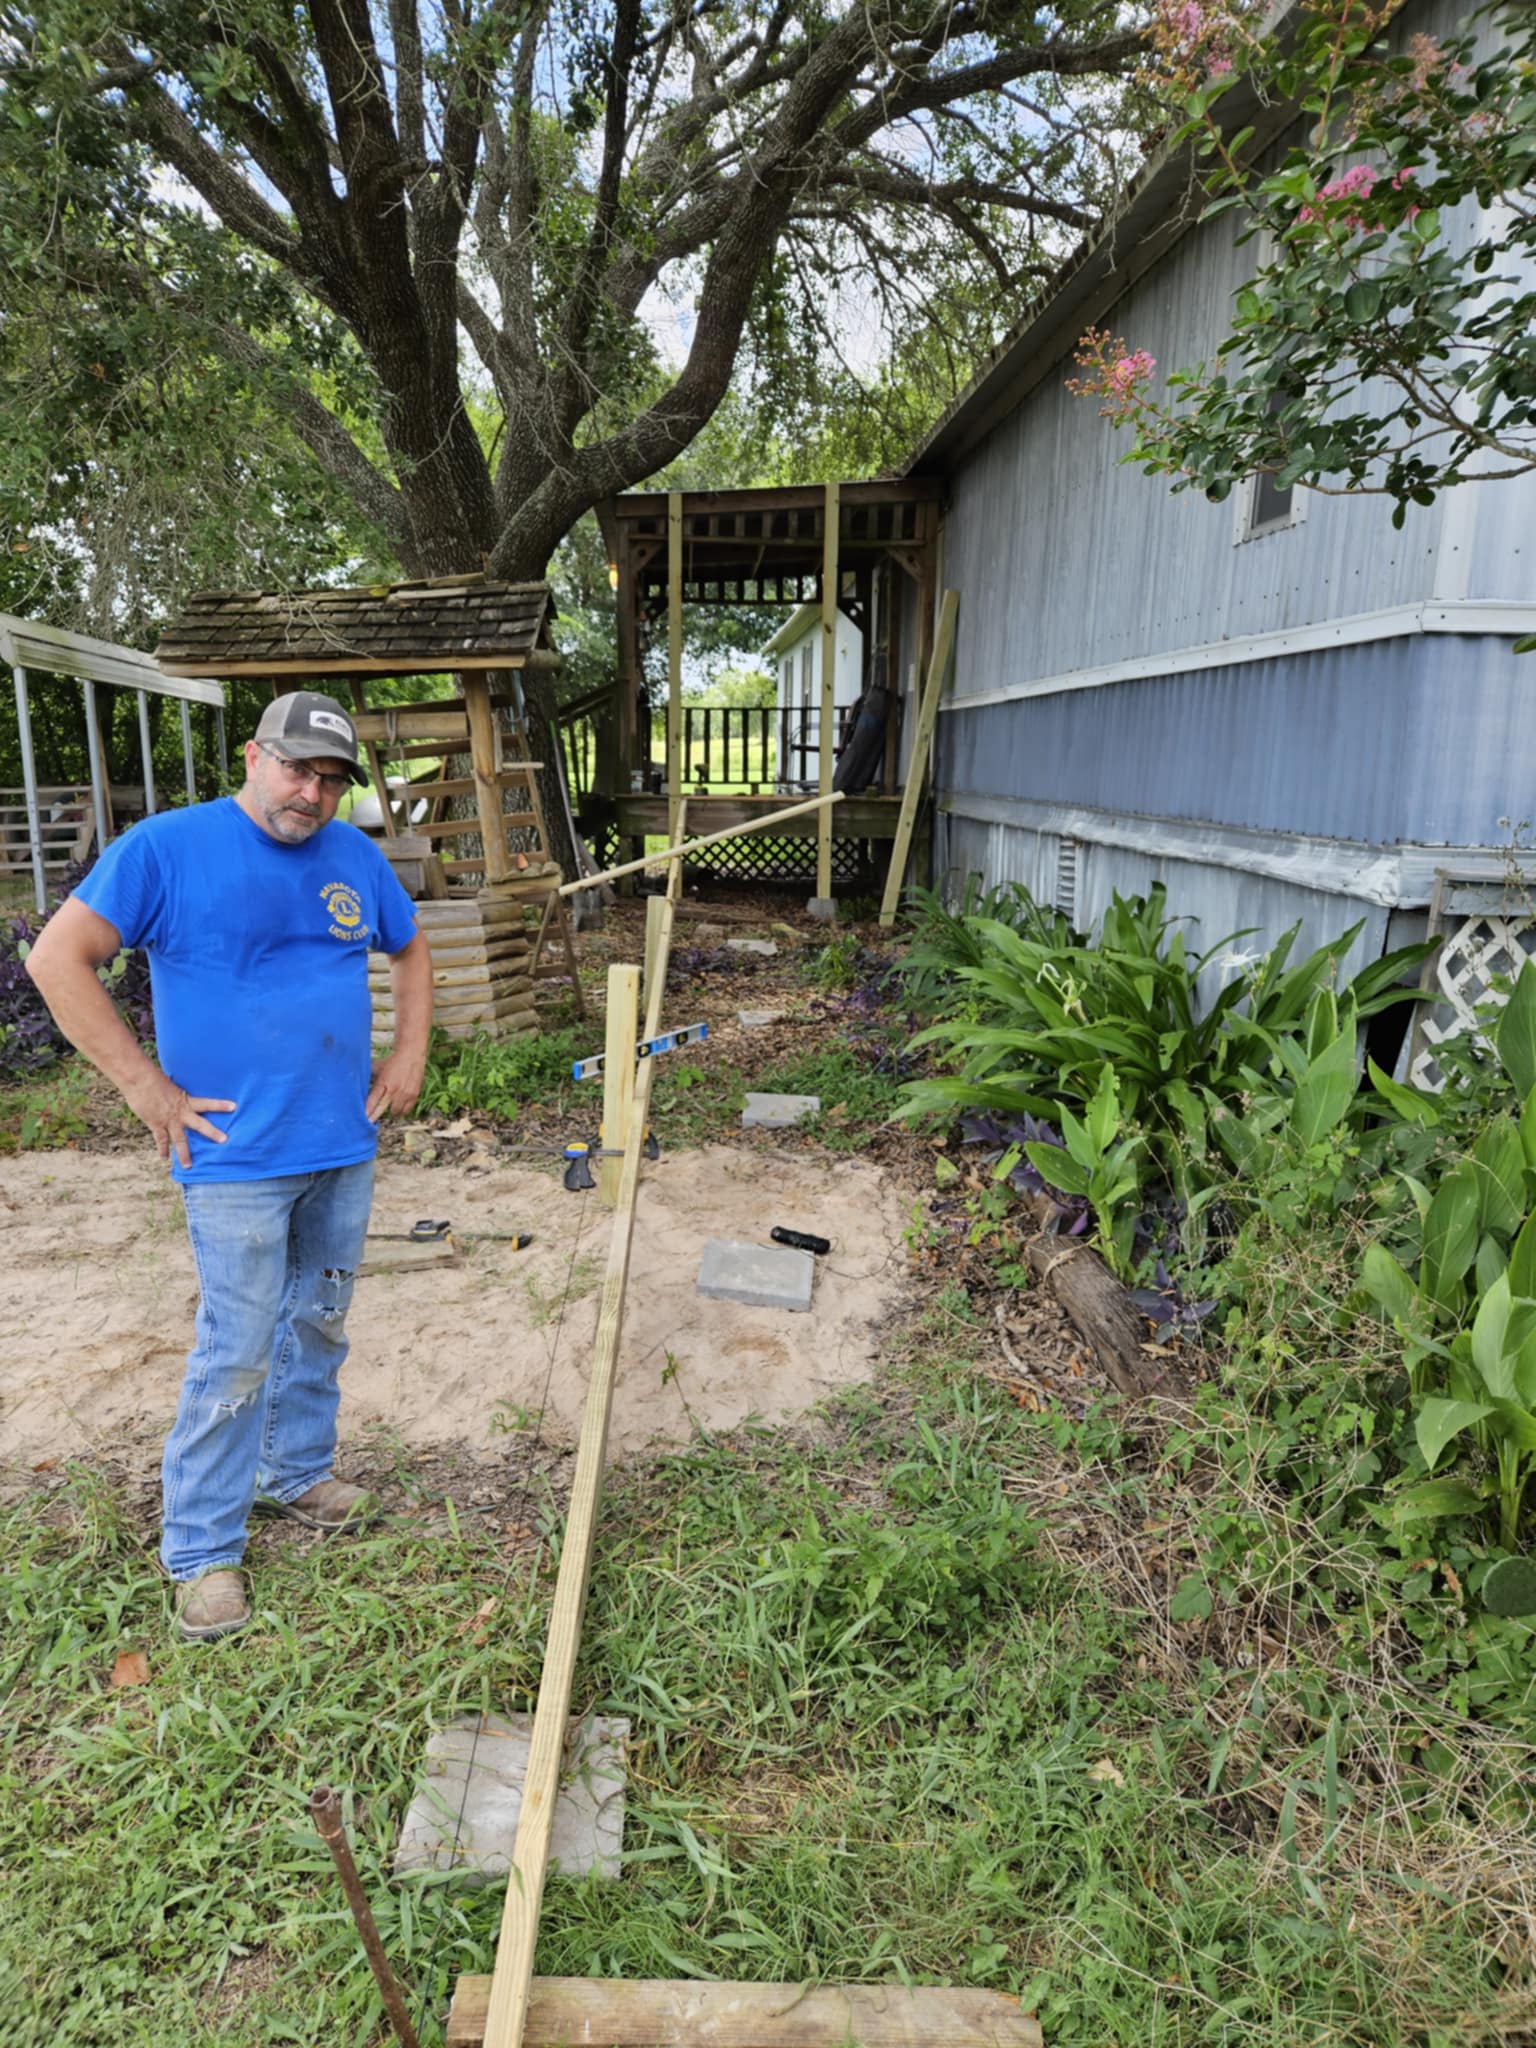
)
(1245, 499)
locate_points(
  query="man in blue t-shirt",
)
(258, 913)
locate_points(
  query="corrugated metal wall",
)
(1066, 560)
(1427, 737)
(1216, 901)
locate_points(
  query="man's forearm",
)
(410, 981)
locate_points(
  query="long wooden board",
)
(826, 717)
(917, 761)
(684, 847)
(512, 1981)
(507, 2006)
(667, 2013)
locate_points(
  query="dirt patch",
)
(100, 1294)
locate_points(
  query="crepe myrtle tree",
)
(333, 197)
(1381, 346)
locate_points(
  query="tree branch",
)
(328, 440)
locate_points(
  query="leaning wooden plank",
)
(765, 823)
(623, 1022)
(663, 2013)
(507, 2007)
(917, 762)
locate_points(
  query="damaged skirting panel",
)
(1392, 877)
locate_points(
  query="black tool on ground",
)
(438, 1230)
(800, 1240)
(578, 1172)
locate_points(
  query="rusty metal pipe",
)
(325, 1812)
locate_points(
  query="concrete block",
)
(757, 1275)
(588, 1832)
(823, 909)
(758, 1020)
(778, 1112)
(764, 946)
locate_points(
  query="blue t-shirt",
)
(258, 959)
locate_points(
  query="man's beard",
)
(293, 822)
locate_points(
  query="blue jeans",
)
(275, 1261)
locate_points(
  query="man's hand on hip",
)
(170, 1112)
(396, 1085)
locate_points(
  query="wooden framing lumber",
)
(663, 2013)
(922, 733)
(485, 765)
(826, 735)
(681, 848)
(507, 2005)
(506, 2008)
(623, 1028)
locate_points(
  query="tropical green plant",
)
(945, 941)
(1466, 1313)
(1099, 1159)
(1050, 1015)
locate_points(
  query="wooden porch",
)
(867, 550)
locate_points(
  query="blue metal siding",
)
(1427, 737)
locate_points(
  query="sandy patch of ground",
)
(97, 1302)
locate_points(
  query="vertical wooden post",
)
(922, 733)
(825, 734)
(674, 657)
(654, 919)
(618, 1076)
(376, 770)
(483, 764)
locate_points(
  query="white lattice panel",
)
(1480, 951)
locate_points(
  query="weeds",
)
(500, 1076)
(899, 1711)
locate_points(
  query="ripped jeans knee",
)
(334, 1294)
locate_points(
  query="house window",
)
(1262, 507)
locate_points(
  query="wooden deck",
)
(856, 817)
(863, 829)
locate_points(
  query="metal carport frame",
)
(51, 651)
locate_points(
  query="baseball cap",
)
(309, 727)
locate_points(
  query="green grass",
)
(882, 1729)
(54, 1108)
(500, 1076)
(854, 1095)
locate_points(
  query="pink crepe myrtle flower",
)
(1130, 370)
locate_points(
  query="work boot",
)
(329, 1506)
(212, 1606)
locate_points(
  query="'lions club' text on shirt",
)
(258, 959)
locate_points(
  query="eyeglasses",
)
(300, 772)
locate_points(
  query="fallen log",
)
(1101, 1310)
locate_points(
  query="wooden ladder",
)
(436, 730)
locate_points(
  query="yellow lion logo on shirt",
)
(345, 911)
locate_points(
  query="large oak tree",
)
(394, 224)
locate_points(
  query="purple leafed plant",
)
(1164, 1302)
(29, 1038)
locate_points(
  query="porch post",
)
(29, 789)
(826, 733)
(674, 658)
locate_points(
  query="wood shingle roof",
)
(461, 622)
